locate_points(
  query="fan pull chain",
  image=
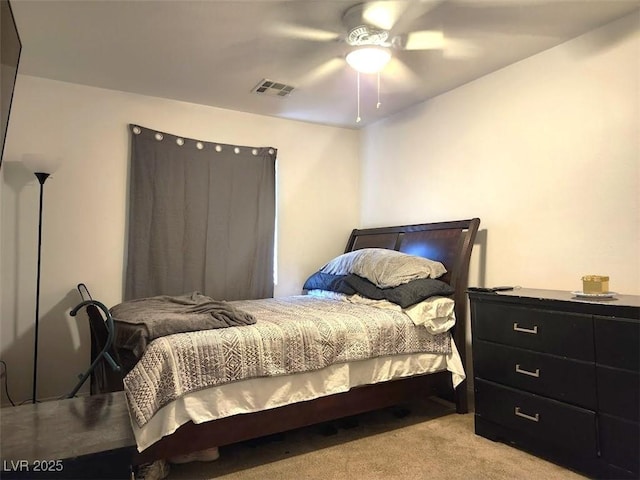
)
(358, 119)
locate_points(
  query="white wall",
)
(546, 152)
(85, 208)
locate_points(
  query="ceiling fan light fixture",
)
(369, 59)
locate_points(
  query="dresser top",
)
(618, 299)
(68, 428)
(627, 305)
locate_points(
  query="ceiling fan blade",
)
(422, 40)
(459, 49)
(414, 11)
(383, 15)
(453, 48)
(321, 72)
(399, 76)
(288, 30)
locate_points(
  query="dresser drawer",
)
(555, 377)
(620, 443)
(570, 428)
(618, 342)
(619, 392)
(560, 333)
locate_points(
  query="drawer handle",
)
(527, 372)
(533, 331)
(533, 418)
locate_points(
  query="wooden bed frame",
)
(448, 242)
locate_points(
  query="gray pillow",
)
(404, 295)
(386, 268)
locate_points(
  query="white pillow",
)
(435, 313)
(385, 268)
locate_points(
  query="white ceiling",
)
(215, 52)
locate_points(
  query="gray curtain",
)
(201, 218)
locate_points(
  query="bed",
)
(176, 419)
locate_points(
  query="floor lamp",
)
(42, 167)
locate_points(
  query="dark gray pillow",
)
(404, 295)
(330, 282)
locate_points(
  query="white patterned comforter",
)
(292, 335)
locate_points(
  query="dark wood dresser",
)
(559, 376)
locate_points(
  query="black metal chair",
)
(102, 353)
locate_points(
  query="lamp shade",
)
(39, 163)
(369, 59)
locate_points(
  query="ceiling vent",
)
(273, 89)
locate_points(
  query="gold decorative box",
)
(595, 284)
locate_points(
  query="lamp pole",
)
(42, 177)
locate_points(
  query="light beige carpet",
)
(432, 442)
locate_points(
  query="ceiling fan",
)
(373, 35)
(385, 26)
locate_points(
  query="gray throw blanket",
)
(166, 315)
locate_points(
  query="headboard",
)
(447, 242)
